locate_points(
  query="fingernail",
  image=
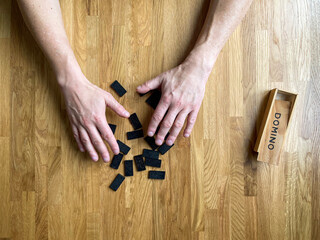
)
(81, 149)
(158, 142)
(150, 134)
(169, 142)
(127, 114)
(106, 159)
(95, 158)
(139, 87)
(186, 135)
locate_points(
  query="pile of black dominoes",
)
(149, 157)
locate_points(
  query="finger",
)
(191, 121)
(166, 124)
(77, 137)
(86, 142)
(177, 126)
(150, 85)
(112, 103)
(97, 142)
(107, 135)
(158, 115)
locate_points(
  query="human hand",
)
(182, 90)
(86, 106)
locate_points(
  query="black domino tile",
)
(123, 147)
(116, 160)
(116, 182)
(151, 142)
(153, 162)
(116, 86)
(150, 153)
(154, 99)
(139, 163)
(164, 148)
(113, 127)
(135, 134)
(134, 120)
(156, 174)
(128, 168)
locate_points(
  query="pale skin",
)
(182, 87)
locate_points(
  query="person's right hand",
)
(86, 106)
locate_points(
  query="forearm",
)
(44, 19)
(222, 18)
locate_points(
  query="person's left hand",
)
(182, 91)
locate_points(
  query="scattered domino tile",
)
(135, 134)
(116, 160)
(116, 86)
(123, 147)
(154, 99)
(116, 182)
(139, 163)
(153, 162)
(113, 127)
(156, 174)
(164, 148)
(151, 142)
(128, 168)
(134, 120)
(150, 154)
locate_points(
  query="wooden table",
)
(214, 188)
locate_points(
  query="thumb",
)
(112, 103)
(150, 85)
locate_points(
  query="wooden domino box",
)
(274, 125)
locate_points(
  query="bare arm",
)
(182, 94)
(85, 102)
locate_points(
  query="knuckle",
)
(178, 124)
(156, 117)
(97, 119)
(166, 99)
(192, 120)
(95, 142)
(108, 95)
(146, 84)
(178, 103)
(85, 141)
(86, 122)
(107, 135)
(166, 124)
(75, 135)
(192, 105)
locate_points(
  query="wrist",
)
(203, 56)
(68, 73)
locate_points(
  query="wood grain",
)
(214, 187)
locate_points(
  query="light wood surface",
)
(214, 188)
